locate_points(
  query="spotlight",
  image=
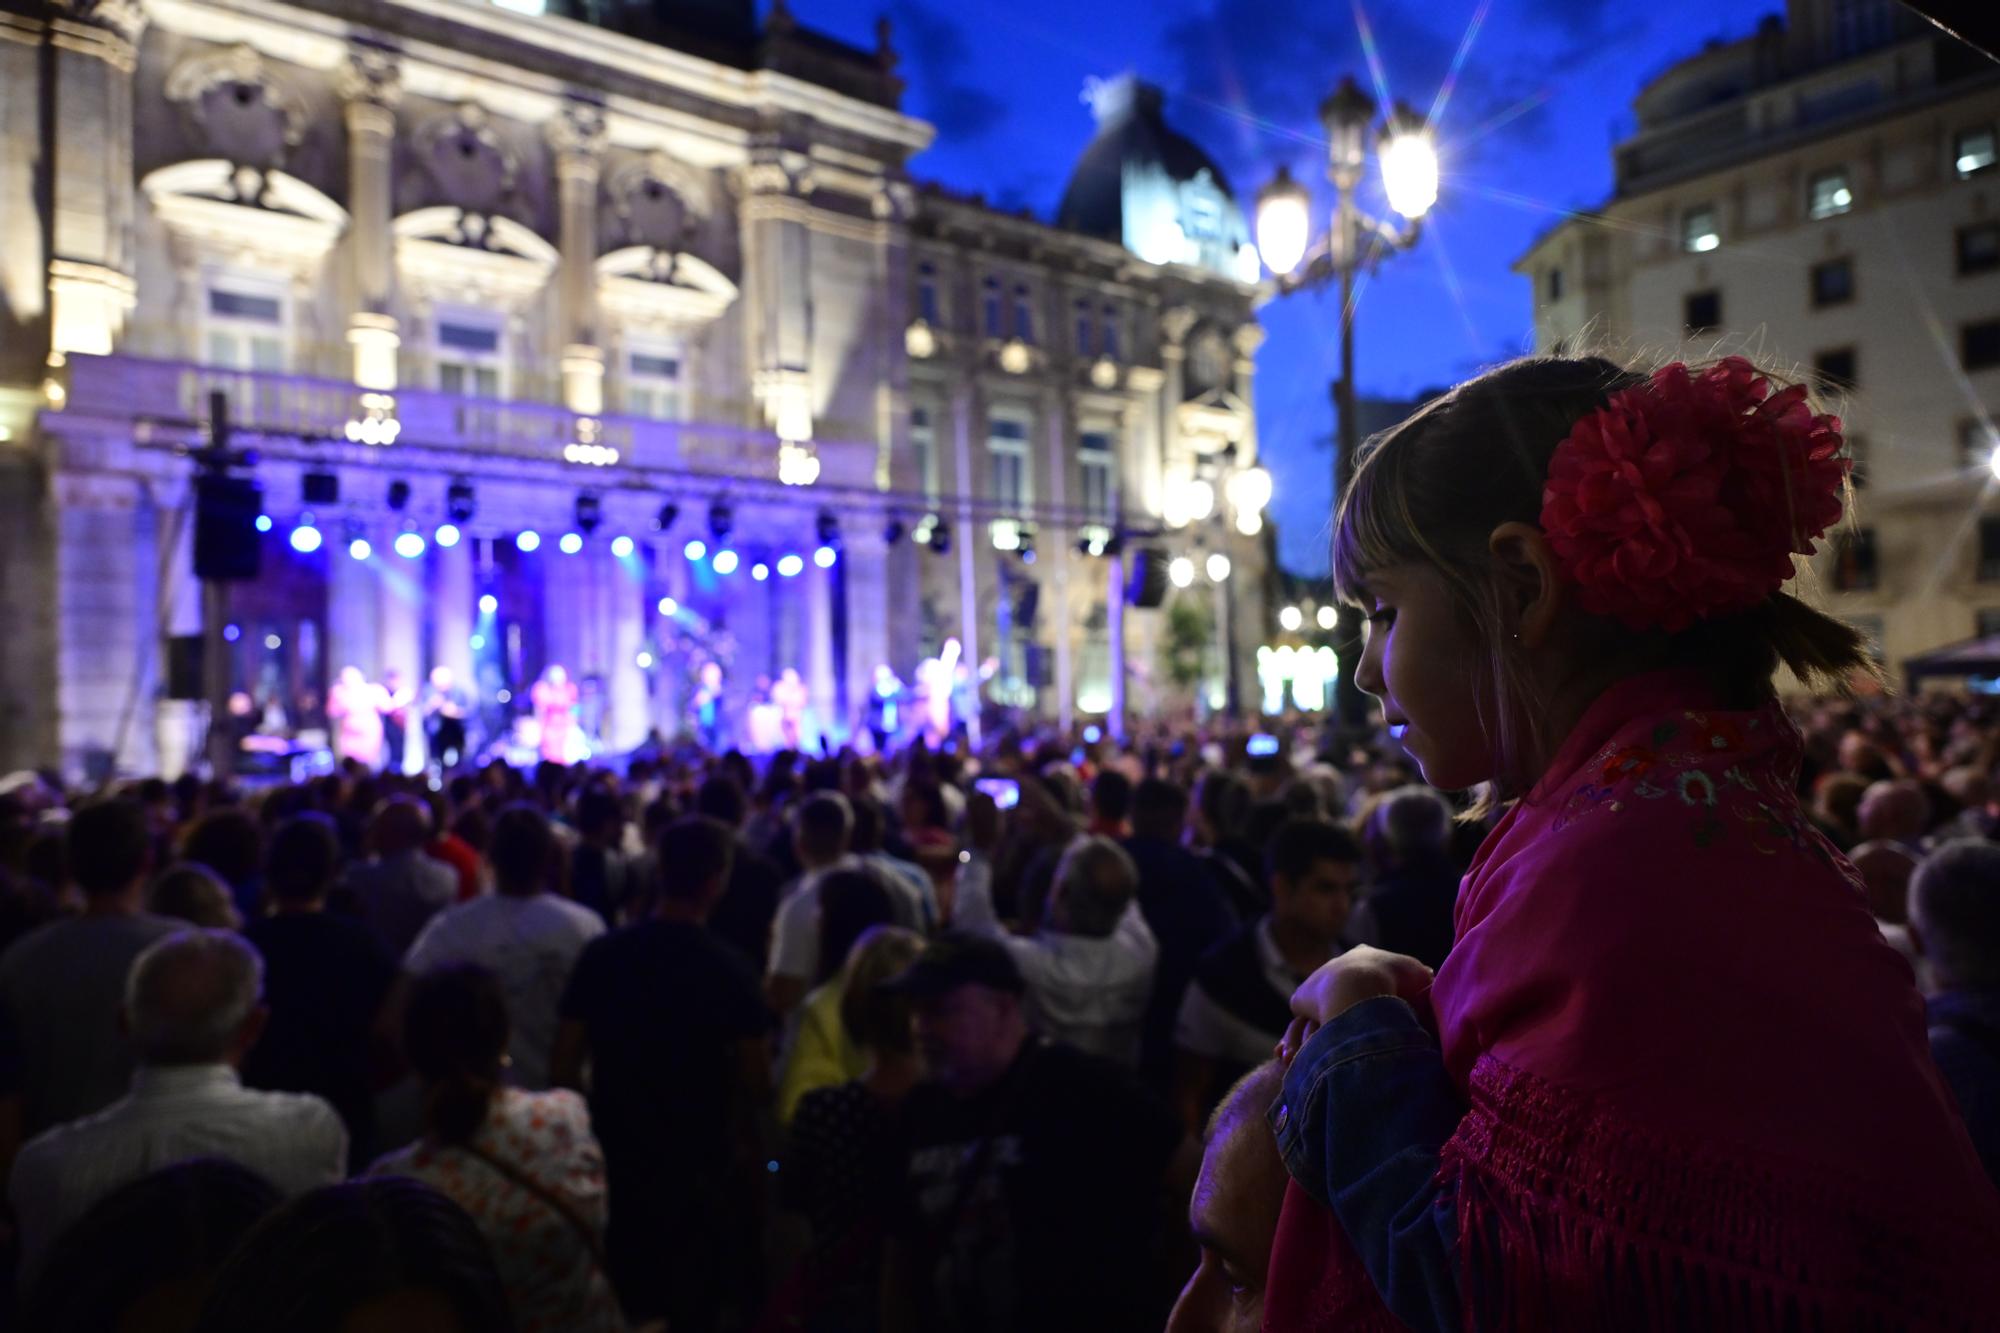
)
(790, 565)
(725, 561)
(570, 543)
(488, 604)
(1180, 571)
(644, 660)
(892, 532)
(399, 495)
(305, 538)
(720, 520)
(263, 522)
(478, 641)
(827, 527)
(528, 540)
(410, 545)
(1026, 548)
(825, 556)
(665, 518)
(668, 606)
(621, 546)
(446, 535)
(760, 571)
(696, 549)
(320, 488)
(589, 513)
(459, 501)
(940, 538)
(359, 548)
(232, 632)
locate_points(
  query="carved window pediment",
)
(456, 254)
(250, 218)
(467, 159)
(648, 288)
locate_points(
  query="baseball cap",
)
(955, 958)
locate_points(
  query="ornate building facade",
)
(1823, 193)
(598, 340)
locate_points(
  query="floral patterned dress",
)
(551, 1278)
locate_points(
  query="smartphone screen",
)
(1006, 792)
(1262, 746)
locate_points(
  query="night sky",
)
(1525, 132)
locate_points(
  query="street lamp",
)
(1355, 242)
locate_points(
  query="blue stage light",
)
(790, 565)
(360, 549)
(478, 642)
(528, 541)
(695, 550)
(760, 571)
(488, 603)
(825, 556)
(232, 632)
(305, 539)
(410, 545)
(621, 547)
(571, 543)
(725, 561)
(263, 522)
(669, 607)
(446, 535)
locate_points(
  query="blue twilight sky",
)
(1544, 90)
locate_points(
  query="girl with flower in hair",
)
(1670, 1075)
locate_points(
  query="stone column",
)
(399, 593)
(818, 665)
(102, 620)
(353, 607)
(92, 286)
(1175, 464)
(454, 597)
(870, 603)
(370, 86)
(777, 254)
(1246, 340)
(176, 732)
(577, 136)
(967, 417)
(1056, 547)
(630, 702)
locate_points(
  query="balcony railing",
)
(309, 409)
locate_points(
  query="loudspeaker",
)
(1025, 606)
(184, 660)
(1146, 584)
(226, 545)
(321, 488)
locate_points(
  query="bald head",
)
(1234, 1211)
(192, 999)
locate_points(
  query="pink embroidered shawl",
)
(1700, 1090)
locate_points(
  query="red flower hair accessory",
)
(1686, 497)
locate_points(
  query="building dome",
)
(1152, 189)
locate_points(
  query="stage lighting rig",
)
(721, 520)
(665, 518)
(399, 495)
(589, 513)
(459, 501)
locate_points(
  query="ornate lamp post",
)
(1355, 242)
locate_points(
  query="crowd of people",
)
(841, 1044)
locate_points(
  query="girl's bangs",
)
(1371, 528)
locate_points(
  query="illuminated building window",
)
(1829, 195)
(653, 384)
(1698, 233)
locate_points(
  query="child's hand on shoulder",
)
(1362, 973)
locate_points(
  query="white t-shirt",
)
(795, 928)
(530, 944)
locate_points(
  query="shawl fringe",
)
(1572, 1218)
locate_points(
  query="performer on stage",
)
(555, 698)
(935, 675)
(396, 718)
(706, 706)
(885, 706)
(445, 709)
(355, 706)
(789, 694)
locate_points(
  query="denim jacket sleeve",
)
(1367, 1106)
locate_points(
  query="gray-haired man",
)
(193, 1009)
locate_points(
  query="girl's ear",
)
(1532, 585)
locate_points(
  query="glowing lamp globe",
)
(1284, 221)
